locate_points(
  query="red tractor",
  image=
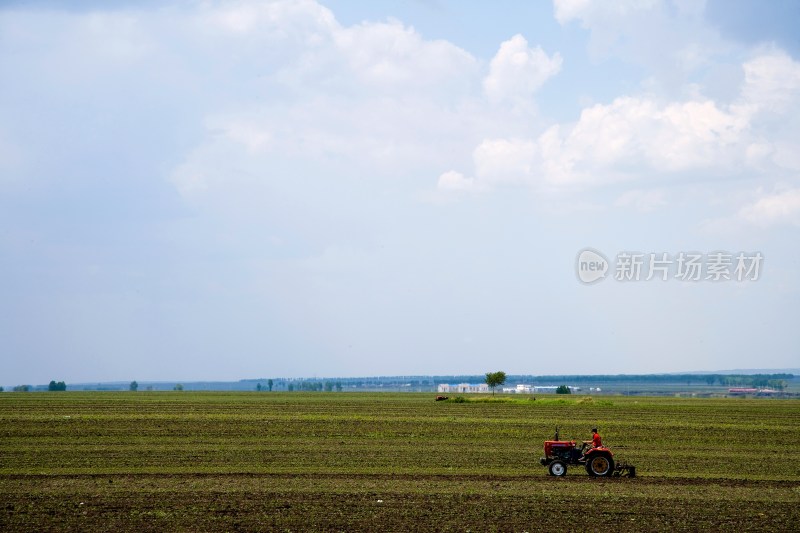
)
(599, 461)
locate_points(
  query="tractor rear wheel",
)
(600, 465)
(557, 468)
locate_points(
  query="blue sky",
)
(223, 190)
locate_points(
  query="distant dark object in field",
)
(441, 398)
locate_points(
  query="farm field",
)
(180, 461)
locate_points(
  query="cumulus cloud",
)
(304, 21)
(588, 11)
(772, 81)
(668, 38)
(455, 181)
(635, 137)
(773, 209)
(251, 134)
(393, 55)
(517, 71)
(632, 134)
(301, 44)
(506, 160)
(616, 142)
(362, 100)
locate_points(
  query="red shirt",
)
(596, 442)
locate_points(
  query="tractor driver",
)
(596, 441)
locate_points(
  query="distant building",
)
(742, 390)
(464, 388)
(759, 392)
(519, 389)
(552, 388)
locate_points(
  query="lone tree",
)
(493, 379)
(269, 384)
(133, 387)
(563, 389)
(60, 386)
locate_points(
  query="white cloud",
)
(299, 20)
(589, 11)
(772, 82)
(640, 137)
(254, 136)
(369, 100)
(457, 182)
(393, 55)
(631, 136)
(506, 160)
(669, 39)
(773, 209)
(517, 71)
(568, 10)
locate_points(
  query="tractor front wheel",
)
(557, 468)
(600, 465)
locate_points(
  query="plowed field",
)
(389, 462)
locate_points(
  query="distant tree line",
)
(314, 386)
(759, 380)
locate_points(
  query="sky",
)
(296, 188)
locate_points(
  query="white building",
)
(464, 388)
(519, 389)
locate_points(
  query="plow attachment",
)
(624, 470)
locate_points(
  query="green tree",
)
(290, 388)
(178, 387)
(338, 386)
(1, 389)
(258, 387)
(493, 379)
(57, 386)
(777, 384)
(133, 387)
(269, 384)
(22, 388)
(563, 389)
(328, 386)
